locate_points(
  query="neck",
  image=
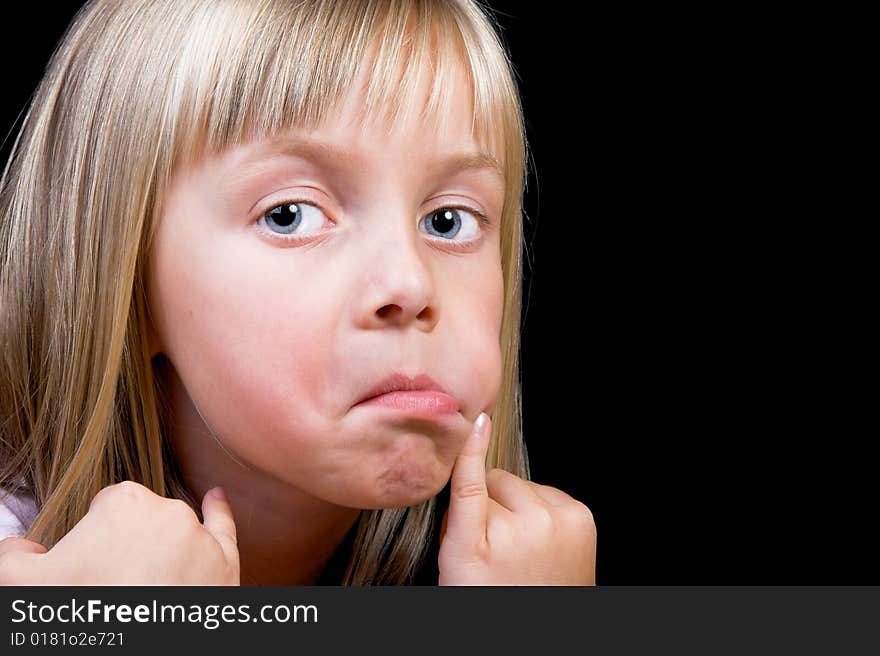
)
(285, 535)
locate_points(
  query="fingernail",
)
(481, 422)
(218, 493)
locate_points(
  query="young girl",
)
(271, 247)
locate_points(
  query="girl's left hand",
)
(503, 530)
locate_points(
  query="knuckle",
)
(124, 492)
(136, 488)
(129, 490)
(103, 495)
(541, 518)
(582, 517)
(470, 489)
(495, 474)
(181, 509)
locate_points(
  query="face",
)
(286, 282)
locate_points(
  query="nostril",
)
(393, 310)
(387, 311)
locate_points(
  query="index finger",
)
(468, 495)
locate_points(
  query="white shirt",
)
(17, 513)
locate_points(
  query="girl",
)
(271, 247)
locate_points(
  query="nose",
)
(400, 287)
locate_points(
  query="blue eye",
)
(450, 222)
(459, 226)
(288, 217)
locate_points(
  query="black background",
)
(680, 349)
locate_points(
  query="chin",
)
(407, 486)
(382, 499)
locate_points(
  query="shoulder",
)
(17, 513)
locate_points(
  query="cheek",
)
(248, 347)
(482, 370)
(480, 332)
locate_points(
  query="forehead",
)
(388, 106)
(408, 115)
(355, 132)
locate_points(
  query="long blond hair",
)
(133, 90)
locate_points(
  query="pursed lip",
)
(397, 382)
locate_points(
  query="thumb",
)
(468, 496)
(21, 545)
(220, 522)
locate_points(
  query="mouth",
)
(419, 396)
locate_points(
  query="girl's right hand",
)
(132, 536)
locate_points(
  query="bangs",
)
(251, 72)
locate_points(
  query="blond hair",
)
(135, 89)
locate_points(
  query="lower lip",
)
(419, 404)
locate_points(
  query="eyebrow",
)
(326, 152)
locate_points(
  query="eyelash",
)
(481, 217)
